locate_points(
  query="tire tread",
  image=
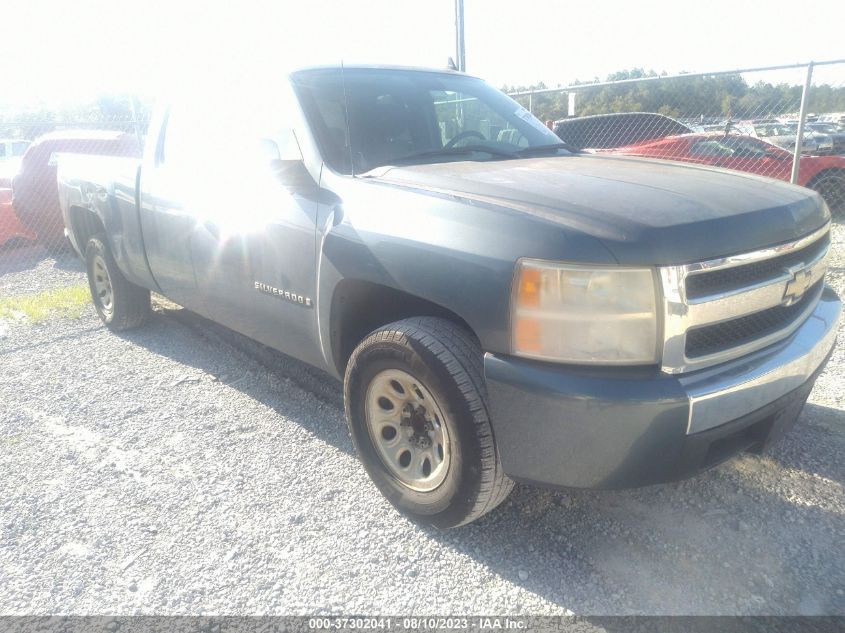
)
(132, 305)
(461, 356)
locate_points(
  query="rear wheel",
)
(121, 304)
(416, 404)
(830, 185)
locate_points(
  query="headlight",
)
(577, 314)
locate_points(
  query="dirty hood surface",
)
(644, 211)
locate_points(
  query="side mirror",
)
(289, 169)
(292, 174)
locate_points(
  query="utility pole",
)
(459, 36)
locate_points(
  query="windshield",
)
(407, 116)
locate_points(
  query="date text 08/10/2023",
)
(418, 623)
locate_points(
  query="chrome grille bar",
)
(786, 286)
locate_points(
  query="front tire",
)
(416, 404)
(121, 304)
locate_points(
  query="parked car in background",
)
(8, 169)
(10, 225)
(603, 131)
(35, 193)
(11, 151)
(825, 174)
(11, 228)
(836, 133)
(837, 118)
(12, 148)
(607, 131)
(713, 127)
(785, 134)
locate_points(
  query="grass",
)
(62, 302)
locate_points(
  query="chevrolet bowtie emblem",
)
(798, 285)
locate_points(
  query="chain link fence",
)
(782, 122)
(31, 224)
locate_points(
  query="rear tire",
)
(121, 304)
(415, 396)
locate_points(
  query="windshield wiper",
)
(527, 151)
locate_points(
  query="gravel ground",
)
(28, 270)
(179, 469)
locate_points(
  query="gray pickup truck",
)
(499, 307)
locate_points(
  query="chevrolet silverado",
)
(499, 306)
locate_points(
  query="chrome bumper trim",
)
(720, 394)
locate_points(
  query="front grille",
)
(719, 310)
(710, 339)
(730, 279)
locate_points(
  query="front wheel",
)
(121, 304)
(416, 404)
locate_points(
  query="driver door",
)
(254, 242)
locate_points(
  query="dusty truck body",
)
(499, 308)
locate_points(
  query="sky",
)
(61, 51)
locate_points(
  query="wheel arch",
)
(827, 171)
(835, 201)
(84, 223)
(358, 307)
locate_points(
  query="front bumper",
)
(609, 428)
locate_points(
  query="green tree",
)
(693, 98)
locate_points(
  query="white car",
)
(11, 148)
(784, 135)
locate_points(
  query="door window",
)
(217, 158)
(710, 149)
(745, 148)
(225, 135)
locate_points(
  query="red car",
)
(36, 194)
(10, 227)
(825, 174)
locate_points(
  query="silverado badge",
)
(283, 294)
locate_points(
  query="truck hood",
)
(644, 211)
